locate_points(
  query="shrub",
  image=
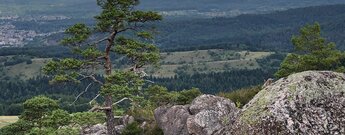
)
(241, 96)
(87, 118)
(132, 129)
(18, 128)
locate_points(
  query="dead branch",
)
(99, 108)
(123, 99)
(94, 99)
(149, 81)
(90, 77)
(83, 92)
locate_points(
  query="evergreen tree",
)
(312, 52)
(117, 17)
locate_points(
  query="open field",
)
(204, 61)
(24, 70)
(201, 61)
(6, 120)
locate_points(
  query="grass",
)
(202, 61)
(6, 120)
(26, 71)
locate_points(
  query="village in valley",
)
(12, 36)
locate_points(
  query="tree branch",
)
(80, 94)
(90, 77)
(121, 101)
(100, 41)
(94, 98)
(149, 81)
(96, 108)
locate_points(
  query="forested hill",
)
(255, 32)
(86, 7)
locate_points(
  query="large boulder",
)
(206, 115)
(172, 120)
(98, 129)
(209, 114)
(310, 102)
(101, 129)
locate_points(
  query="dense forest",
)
(252, 31)
(88, 8)
(256, 32)
(14, 93)
(87, 76)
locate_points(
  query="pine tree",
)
(312, 52)
(126, 35)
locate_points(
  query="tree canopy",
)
(119, 30)
(312, 52)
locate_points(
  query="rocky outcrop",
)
(206, 115)
(173, 120)
(101, 129)
(98, 129)
(311, 102)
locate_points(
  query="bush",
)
(241, 96)
(37, 107)
(56, 119)
(18, 128)
(87, 118)
(187, 96)
(132, 129)
(154, 130)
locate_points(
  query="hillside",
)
(206, 61)
(255, 32)
(205, 7)
(210, 70)
(172, 63)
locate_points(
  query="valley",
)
(172, 67)
(172, 63)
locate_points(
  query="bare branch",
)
(80, 94)
(97, 108)
(100, 41)
(90, 77)
(122, 100)
(94, 99)
(149, 81)
(129, 28)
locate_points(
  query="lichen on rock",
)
(304, 103)
(311, 102)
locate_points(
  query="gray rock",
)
(98, 129)
(127, 120)
(101, 129)
(310, 102)
(172, 120)
(206, 115)
(204, 123)
(210, 114)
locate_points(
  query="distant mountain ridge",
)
(232, 7)
(270, 31)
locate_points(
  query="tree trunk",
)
(110, 116)
(108, 99)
